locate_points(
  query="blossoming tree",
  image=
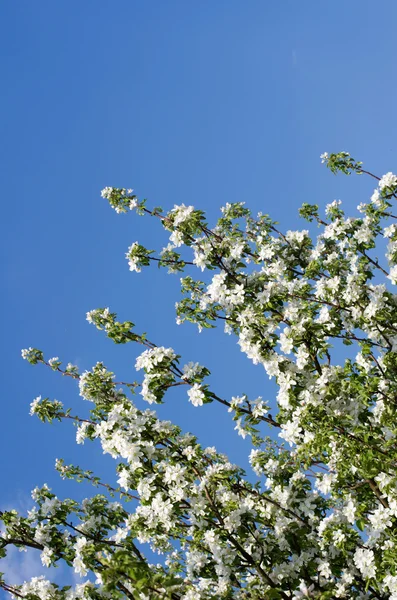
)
(321, 520)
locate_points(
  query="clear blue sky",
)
(196, 102)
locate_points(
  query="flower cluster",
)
(120, 199)
(317, 516)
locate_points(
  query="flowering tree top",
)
(320, 519)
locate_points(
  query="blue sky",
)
(202, 103)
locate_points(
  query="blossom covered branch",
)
(317, 517)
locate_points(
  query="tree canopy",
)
(317, 517)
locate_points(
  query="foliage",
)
(320, 522)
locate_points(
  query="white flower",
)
(37, 491)
(107, 192)
(286, 343)
(383, 480)
(363, 235)
(290, 432)
(388, 232)
(259, 409)
(296, 236)
(46, 556)
(78, 562)
(133, 259)
(123, 479)
(349, 511)
(364, 559)
(390, 581)
(240, 429)
(236, 250)
(302, 357)
(323, 315)
(81, 433)
(149, 359)
(236, 401)
(42, 535)
(34, 405)
(40, 587)
(380, 520)
(181, 213)
(50, 506)
(191, 370)
(332, 205)
(324, 157)
(200, 259)
(196, 395)
(393, 274)
(388, 181)
(176, 239)
(376, 198)
(324, 569)
(324, 482)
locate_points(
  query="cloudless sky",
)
(196, 102)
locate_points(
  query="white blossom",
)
(196, 395)
(364, 560)
(388, 181)
(34, 405)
